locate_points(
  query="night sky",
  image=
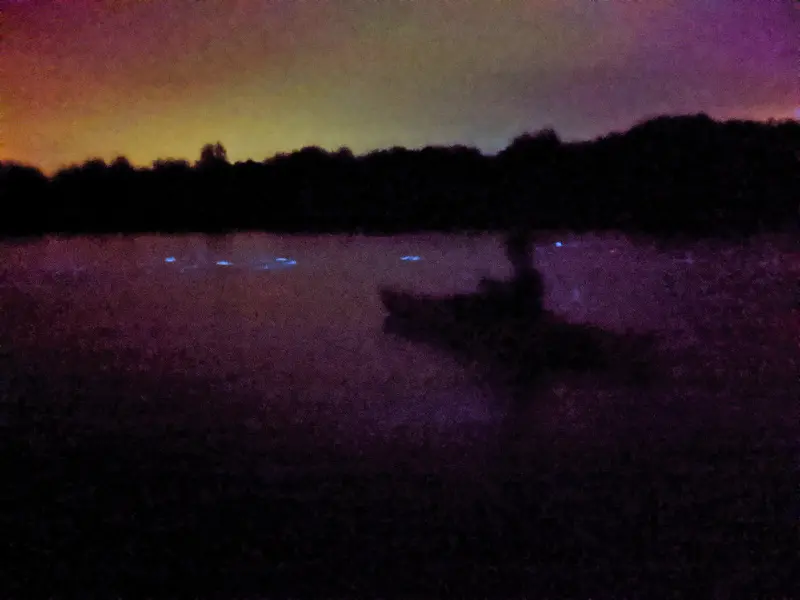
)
(159, 78)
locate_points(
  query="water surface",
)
(271, 348)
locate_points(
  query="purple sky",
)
(159, 78)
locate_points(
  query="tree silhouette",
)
(121, 163)
(670, 175)
(532, 145)
(213, 154)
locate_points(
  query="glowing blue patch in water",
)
(410, 258)
(169, 259)
(277, 263)
(559, 244)
(224, 263)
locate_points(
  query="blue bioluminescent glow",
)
(559, 244)
(410, 258)
(265, 265)
(279, 263)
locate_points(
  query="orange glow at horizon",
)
(158, 79)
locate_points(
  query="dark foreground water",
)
(248, 429)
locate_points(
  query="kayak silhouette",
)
(507, 333)
(504, 328)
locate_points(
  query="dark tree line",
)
(669, 175)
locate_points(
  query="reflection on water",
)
(305, 330)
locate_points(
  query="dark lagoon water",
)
(226, 414)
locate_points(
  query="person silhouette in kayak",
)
(528, 284)
(526, 289)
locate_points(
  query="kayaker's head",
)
(519, 249)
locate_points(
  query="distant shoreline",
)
(672, 176)
(788, 238)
